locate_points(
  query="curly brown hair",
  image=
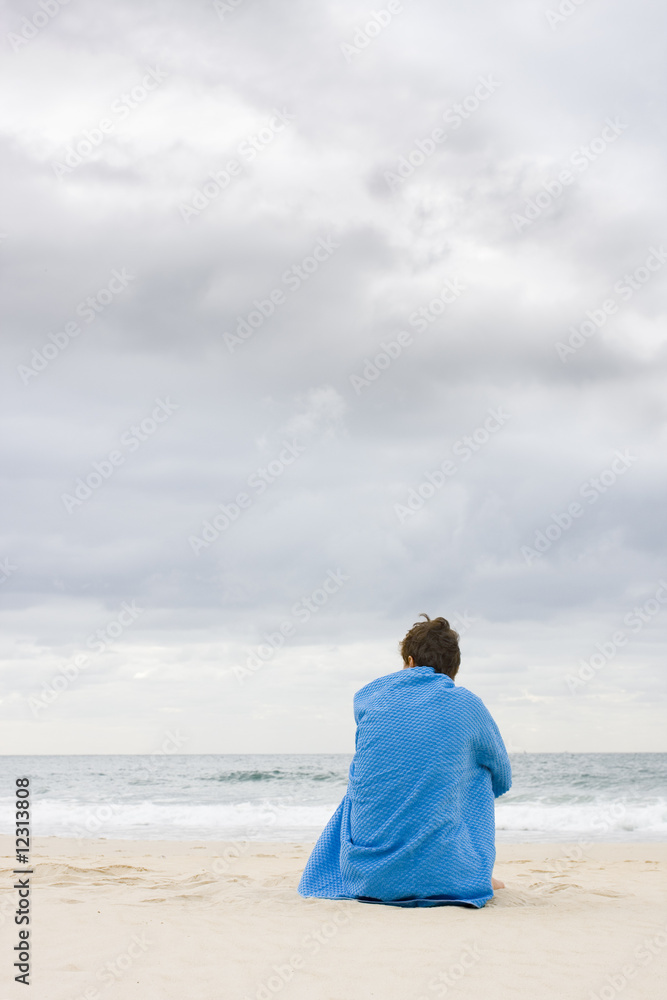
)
(432, 644)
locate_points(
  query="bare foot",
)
(497, 884)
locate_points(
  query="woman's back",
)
(417, 822)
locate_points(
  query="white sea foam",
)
(615, 820)
(276, 820)
(151, 820)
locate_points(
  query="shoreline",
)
(42, 841)
(158, 920)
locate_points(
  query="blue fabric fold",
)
(416, 825)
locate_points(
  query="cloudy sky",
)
(318, 316)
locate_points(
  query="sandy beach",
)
(173, 919)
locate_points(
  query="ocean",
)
(290, 797)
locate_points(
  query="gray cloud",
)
(250, 378)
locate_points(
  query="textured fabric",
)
(416, 825)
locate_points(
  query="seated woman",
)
(416, 826)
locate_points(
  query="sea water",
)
(290, 797)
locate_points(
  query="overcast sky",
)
(318, 316)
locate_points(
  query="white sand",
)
(175, 920)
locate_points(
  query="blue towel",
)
(416, 826)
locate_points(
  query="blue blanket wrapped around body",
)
(416, 826)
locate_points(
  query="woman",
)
(416, 826)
